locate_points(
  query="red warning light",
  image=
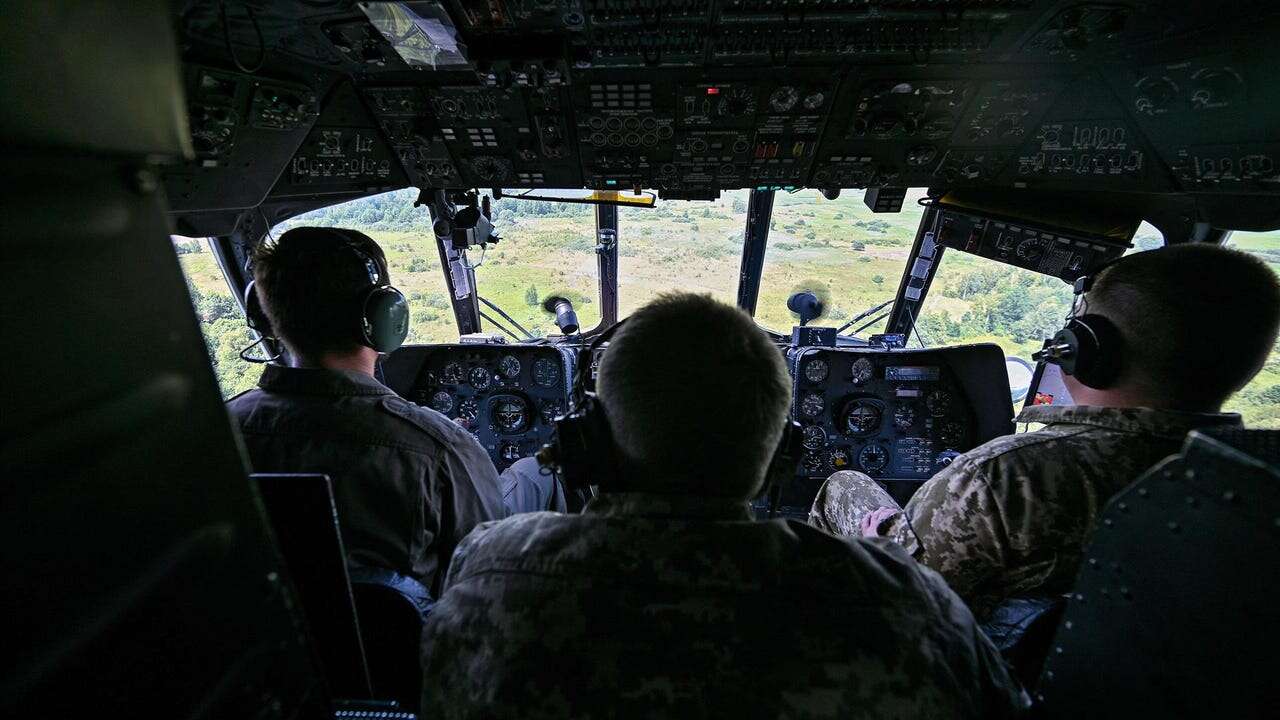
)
(713, 91)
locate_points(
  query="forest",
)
(838, 248)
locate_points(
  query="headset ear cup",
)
(584, 449)
(254, 316)
(384, 322)
(1099, 349)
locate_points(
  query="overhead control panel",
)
(899, 416)
(507, 396)
(692, 98)
(1034, 246)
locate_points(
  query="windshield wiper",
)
(864, 314)
(527, 335)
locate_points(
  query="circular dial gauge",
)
(814, 100)
(815, 371)
(441, 401)
(738, 100)
(811, 405)
(479, 378)
(812, 463)
(945, 458)
(814, 437)
(452, 372)
(873, 458)
(838, 459)
(938, 402)
(546, 372)
(784, 98)
(863, 417)
(468, 409)
(861, 371)
(551, 411)
(952, 433)
(904, 416)
(509, 366)
(510, 414)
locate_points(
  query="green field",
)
(838, 248)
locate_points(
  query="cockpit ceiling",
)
(336, 99)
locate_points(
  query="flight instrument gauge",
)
(509, 366)
(738, 101)
(551, 411)
(479, 378)
(812, 463)
(814, 437)
(938, 402)
(468, 410)
(873, 458)
(944, 458)
(862, 417)
(510, 413)
(904, 416)
(952, 433)
(441, 401)
(452, 373)
(815, 371)
(811, 405)
(814, 100)
(784, 98)
(838, 459)
(546, 373)
(861, 371)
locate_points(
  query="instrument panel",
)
(899, 416)
(507, 396)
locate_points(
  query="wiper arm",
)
(528, 335)
(864, 314)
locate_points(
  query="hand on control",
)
(871, 523)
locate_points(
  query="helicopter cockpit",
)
(900, 192)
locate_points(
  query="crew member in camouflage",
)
(665, 599)
(1011, 517)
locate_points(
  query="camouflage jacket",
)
(661, 606)
(1011, 518)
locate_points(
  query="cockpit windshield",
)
(838, 249)
(680, 245)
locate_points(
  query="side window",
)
(1148, 237)
(1259, 401)
(977, 300)
(221, 320)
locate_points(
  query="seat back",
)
(392, 610)
(305, 521)
(1022, 629)
(1173, 612)
(140, 577)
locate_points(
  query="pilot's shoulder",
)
(434, 424)
(1021, 447)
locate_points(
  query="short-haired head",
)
(310, 283)
(1197, 320)
(696, 396)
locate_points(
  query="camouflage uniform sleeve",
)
(960, 527)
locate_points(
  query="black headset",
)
(1089, 347)
(582, 451)
(383, 320)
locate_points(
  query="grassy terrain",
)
(838, 248)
